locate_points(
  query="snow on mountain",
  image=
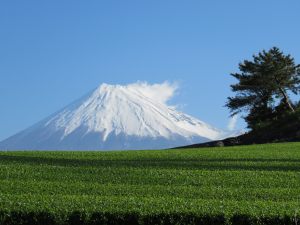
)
(134, 116)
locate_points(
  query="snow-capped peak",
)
(136, 110)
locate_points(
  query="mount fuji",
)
(116, 117)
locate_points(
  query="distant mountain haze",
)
(116, 117)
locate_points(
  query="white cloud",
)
(232, 123)
(158, 92)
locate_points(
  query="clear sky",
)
(53, 52)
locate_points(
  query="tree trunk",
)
(286, 99)
(285, 96)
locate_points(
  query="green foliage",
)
(234, 185)
(262, 83)
(285, 127)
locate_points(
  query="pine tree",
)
(262, 81)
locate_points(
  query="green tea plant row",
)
(95, 189)
(152, 176)
(61, 208)
(237, 185)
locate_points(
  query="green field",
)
(233, 185)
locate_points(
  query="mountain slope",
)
(134, 116)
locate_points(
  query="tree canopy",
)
(263, 87)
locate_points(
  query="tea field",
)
(257, 184)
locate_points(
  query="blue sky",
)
(53, 52)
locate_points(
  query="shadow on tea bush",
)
(27, 218)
